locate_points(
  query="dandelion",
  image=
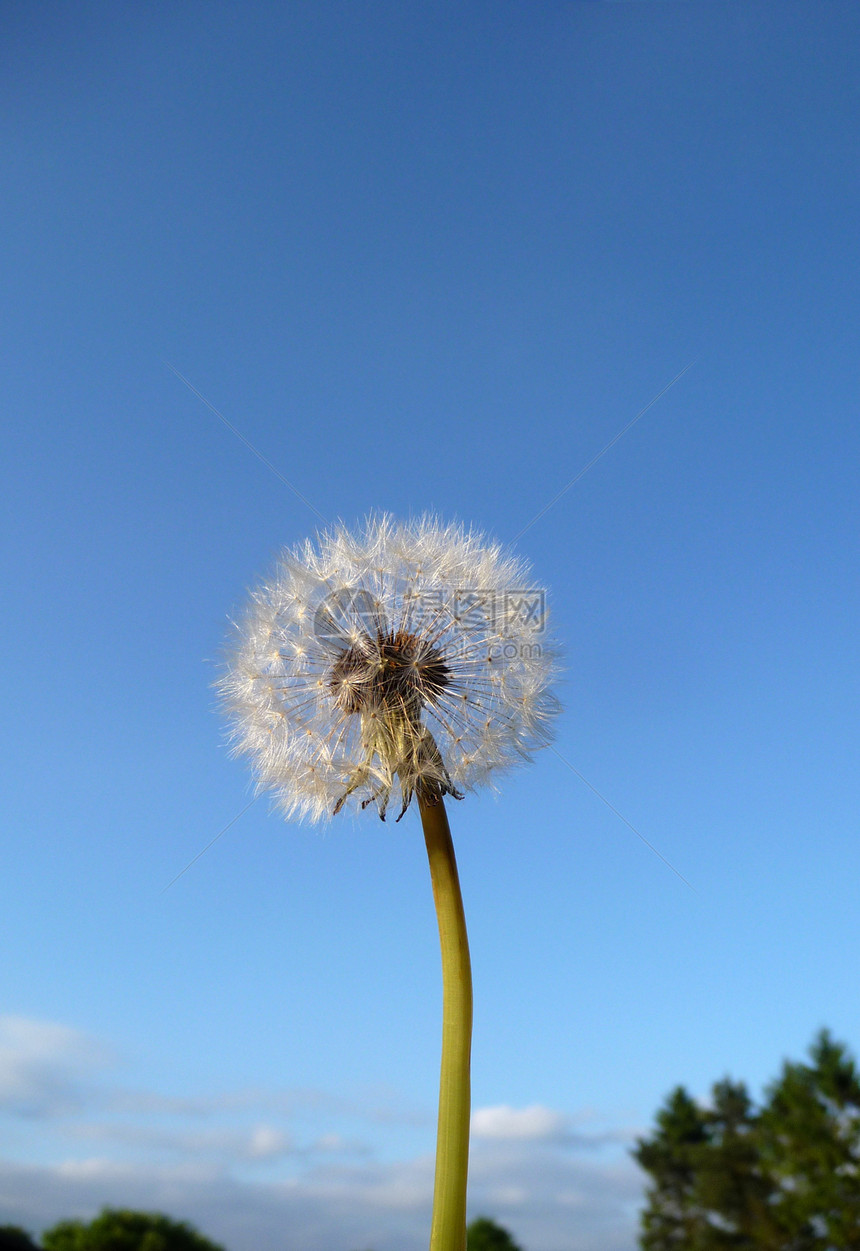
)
(406, 659)
(411, 654)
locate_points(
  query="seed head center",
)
(396, 673)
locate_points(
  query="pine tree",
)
(672, 1219)
(809, 1139)
(784, 1177)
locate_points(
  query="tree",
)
(783, 1177)
(117, 1229)
(673, 1215)
(485, 1235)
(809, 1132)
(13, 1238)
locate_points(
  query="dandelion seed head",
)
(409, 655)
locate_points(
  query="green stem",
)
(448, 1231)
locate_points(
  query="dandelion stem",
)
(448, 1230)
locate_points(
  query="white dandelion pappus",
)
(411, 652)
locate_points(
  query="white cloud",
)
(553, 1199)
(380, 1107)
(337, 1144)
(535, 1122)
(266, 1142)
(236, 1165)
(44, 1066)
(549, 1199)
(223, 1145)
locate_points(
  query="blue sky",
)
(422, 257)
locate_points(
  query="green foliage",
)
(13, 1238)
(117, 1229)
(783, 1177)
(485, 1235)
